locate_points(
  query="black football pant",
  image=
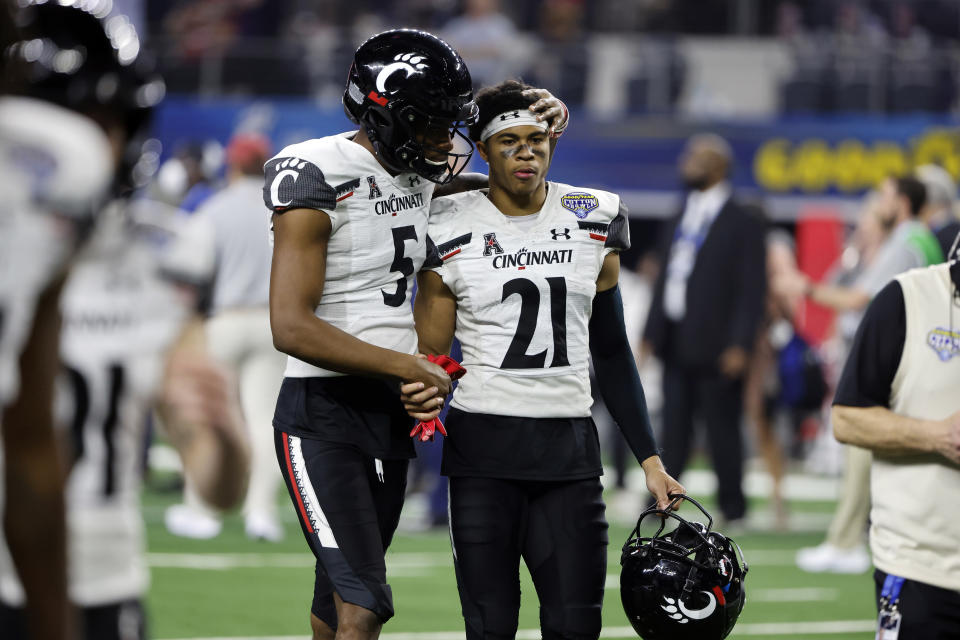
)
(349, 506)
(718, 400)
(560, 531)
(927, 612)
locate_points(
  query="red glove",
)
(426, 430)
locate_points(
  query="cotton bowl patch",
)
(945, 342)
(580, 203)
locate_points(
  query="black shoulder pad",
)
(433, 256)
(618, 231)
(294, 183)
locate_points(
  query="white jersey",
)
(377, 244)
(525, 296)
(121, 313)
(54, 166)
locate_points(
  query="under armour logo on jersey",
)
(414, 180)
(374, 189)
(560, 233)
(505, 116)
(285, 168)
(490, 244)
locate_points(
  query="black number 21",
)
(400, 263)
(529, 292)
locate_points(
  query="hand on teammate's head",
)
(549, 108)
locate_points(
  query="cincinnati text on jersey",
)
(100, 322)
(394, 203)
(523, 258)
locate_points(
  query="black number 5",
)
(400, 263)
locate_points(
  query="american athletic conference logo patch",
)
(945, 342)
(580, 203)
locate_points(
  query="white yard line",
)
(400, 565)
(406, 562)
(409, 565)
(777, 629)
(795, 594)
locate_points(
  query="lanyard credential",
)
(888, 622)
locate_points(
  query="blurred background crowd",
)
(809, 56)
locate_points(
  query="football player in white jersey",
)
(130, 328)
(527, 281)
(72, 100)
(350, 231)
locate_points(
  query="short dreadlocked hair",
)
(492, 101)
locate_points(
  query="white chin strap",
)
(507, 119)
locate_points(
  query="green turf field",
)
(231, 587)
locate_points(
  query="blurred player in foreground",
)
(71, 107)
(120, 318)
(132, 339)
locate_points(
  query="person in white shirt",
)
(230, 225)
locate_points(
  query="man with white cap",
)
(939, 212)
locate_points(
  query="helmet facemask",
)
(401, 140)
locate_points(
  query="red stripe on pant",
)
(293, 481)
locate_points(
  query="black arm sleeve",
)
(617, 374)
(433, 256)
(875, 355)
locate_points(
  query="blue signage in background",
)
(806, 157)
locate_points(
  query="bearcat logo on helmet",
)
(687, 583)
(409, 63)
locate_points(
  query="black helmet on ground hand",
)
(403, 85)
(683, 584)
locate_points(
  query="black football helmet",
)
(684, 584)
(404, 83)
(73, 55)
